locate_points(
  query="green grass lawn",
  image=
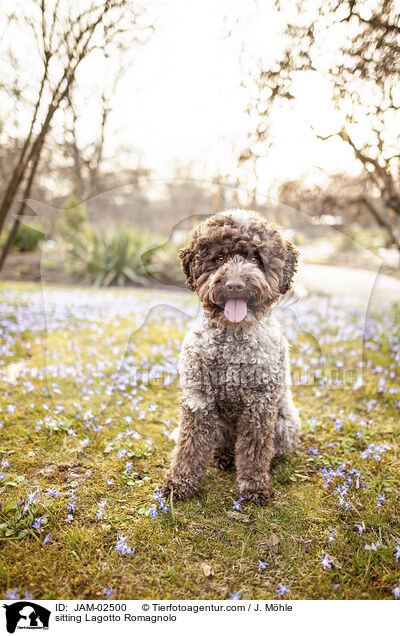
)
(86, 436)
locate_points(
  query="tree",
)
(63, 35)
(357, 45)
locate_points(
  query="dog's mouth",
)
(235, 310)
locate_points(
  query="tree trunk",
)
(21, 210)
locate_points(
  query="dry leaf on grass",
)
(207, 569)
(273, 542)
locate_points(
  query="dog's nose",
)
(235, 286)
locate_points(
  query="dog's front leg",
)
(254, 452)
(191, 455)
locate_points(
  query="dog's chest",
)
(234, 364)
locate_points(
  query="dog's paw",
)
(179, 486)
(223, 458)
(259, 492)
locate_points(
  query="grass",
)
(68, 369)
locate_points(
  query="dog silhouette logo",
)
(26, 615)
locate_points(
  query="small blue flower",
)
(283, 589)
(379, 500)
(153, 511)
(331, 538)
(236, 504)
(100, 511)
(235, 597)
(122, 546)
(338, 424)
(326, 561)
(46, 539)
(12, 595)
(373, 546)
(262, 565)
(52, 491)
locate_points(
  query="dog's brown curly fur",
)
(236, 397)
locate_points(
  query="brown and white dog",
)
(234, 365)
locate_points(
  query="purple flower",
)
(236, 596)
(52, 491)
(236, 504)
(326, 561)
(33, 497)
(359, 528)
(379, 500)
(46, 539)
(331, 538)
(373, 546)
(283, 589)
(69, 518)
(338, 424)
(160, 499)
(122, 546)
(396, 591)
(37, 523)
(262, 565)
(12, 594)
(100, 512)
(153, 511)
(109, 592)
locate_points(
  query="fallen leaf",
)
(207, 569)
(273, 542)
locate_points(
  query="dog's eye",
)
(253, 259)
(220, 259)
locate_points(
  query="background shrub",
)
(111, 259)
(28, 238)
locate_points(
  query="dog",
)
(234, 369)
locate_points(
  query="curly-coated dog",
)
(234, 365)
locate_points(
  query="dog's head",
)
(239, 265)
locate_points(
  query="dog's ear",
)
(186, 255)
(291, 257)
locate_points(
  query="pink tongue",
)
(235, 310)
